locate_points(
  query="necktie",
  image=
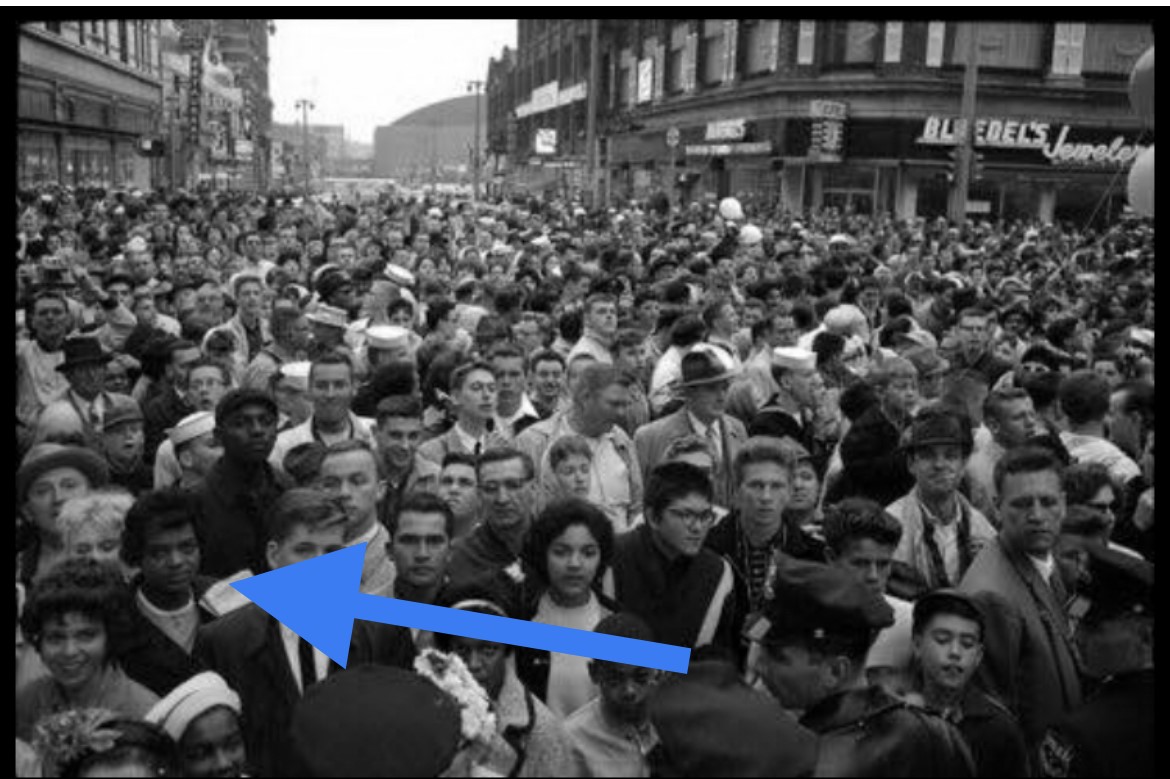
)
(308, 664)
(716, 444)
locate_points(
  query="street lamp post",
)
(305, 106)
(475, 86)
(966, 139)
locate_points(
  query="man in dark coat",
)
(1112, 733)
(241, 485)
(265, 662)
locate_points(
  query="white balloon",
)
(1141, 88)
(750, 235)
(1141, 183)
(730, 209)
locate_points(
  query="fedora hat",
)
(702, 366)
(82, 350)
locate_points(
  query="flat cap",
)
(120, 410)
(237, 399)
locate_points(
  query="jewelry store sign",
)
(728, 149)
(1062, 145)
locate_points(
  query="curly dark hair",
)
(156, 512)
(555, 519)
(78, 585)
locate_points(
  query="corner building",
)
(855, 114)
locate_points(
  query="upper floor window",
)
(713, 51)
(1110, 50)
(675, 58)
(1002, 45)
(852, 43)
(759, 45)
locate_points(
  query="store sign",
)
(546, 141)
(550, 96)
(727, 130)
(728, 149)
(1056, 145)
(828, 109)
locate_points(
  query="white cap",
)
(137, 244)
(794, 358)
(845, 319)
(298, 372)
(541, 240)
(191, 427)
(435, 213)
(387, 337)
(839, 238)
(190, 700)
(329, 315)
(399, 275)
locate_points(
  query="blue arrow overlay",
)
(319, 599)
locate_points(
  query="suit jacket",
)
(653, 439)
(1030, 660)
(378, 572)
(437, 448)
(245, 648)
(150, 657)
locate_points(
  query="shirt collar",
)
(469, 441)
(1045, 566)
(699, 427)
(367, 536)
(526, 409)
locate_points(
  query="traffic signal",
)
(953, 167)
(976, 166)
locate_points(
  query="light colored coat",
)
(652, 441)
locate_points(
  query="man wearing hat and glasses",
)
(705, 380)
(813, 639)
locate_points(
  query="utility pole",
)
(591, 111)
(965, 139)
(305, 106)
(476, 87)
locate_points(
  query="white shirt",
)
(470, 441)
(293, 653)
(569, 685)
(710, 433)
(178, 625)
(1045, 567)
(367, 536)
(525, 409)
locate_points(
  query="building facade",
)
(855, 114)
(431, 145)
(89, 103)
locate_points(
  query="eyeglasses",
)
(705, 517)
(511, 485)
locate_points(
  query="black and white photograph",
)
(485, 397)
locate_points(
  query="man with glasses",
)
(663, 574)
(507, 499)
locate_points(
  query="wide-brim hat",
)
(83, 350)
(704, 366)
(46, 457)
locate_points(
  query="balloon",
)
(1141, 183)
(1141, 88)
(750, 235)
(730, 209)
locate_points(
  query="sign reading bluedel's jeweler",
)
(1061, 144)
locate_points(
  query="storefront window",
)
(759, 43)
(850, 190)
(37, 160)
(1112, 49)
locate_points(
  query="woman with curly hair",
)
(72, 617)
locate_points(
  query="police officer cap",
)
(1121, 585)
(813, 600)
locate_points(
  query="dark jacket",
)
(688, 601)
(160, 413)
(231, 508)
(478, 554)
(1110, 735)
(993, 735)
(149, 656)
(244, 647)
(874, 467)
(869, 732)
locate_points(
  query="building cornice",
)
(74, 48)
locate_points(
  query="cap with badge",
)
(939, 427)
(815, 601)
(794, 358)
(191, 427)
(1121, 585)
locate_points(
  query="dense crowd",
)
(891, 480)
